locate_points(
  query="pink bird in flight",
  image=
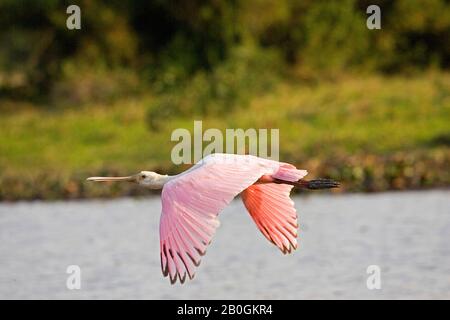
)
(193, 199)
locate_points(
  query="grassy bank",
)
(372, 133)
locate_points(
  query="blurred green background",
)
(370, 108)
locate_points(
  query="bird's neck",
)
(159, 182)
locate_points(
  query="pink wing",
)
(191, 203)
(274, 213)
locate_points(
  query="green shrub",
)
(167, 43)
(336, 36)
(248, 71)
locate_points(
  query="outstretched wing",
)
(191, 203)
(274, 213)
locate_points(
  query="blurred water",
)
(116, 245)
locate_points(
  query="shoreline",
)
(358, 173)
(156, 195)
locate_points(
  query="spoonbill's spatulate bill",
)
(192, 200)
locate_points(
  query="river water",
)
(116, 245)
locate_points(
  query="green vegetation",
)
(163, 43)
(373, 133)
(367, 107)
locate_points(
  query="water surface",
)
(116, 245)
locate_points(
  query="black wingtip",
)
(318, 184)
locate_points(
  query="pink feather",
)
(192, 200)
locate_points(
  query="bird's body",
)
(192, 200)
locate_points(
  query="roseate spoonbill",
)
(192, 200)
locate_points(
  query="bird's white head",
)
(147, 179)
(151, 180)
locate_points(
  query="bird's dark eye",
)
(143, 176)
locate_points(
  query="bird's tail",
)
(315, 184)
(322, 184)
